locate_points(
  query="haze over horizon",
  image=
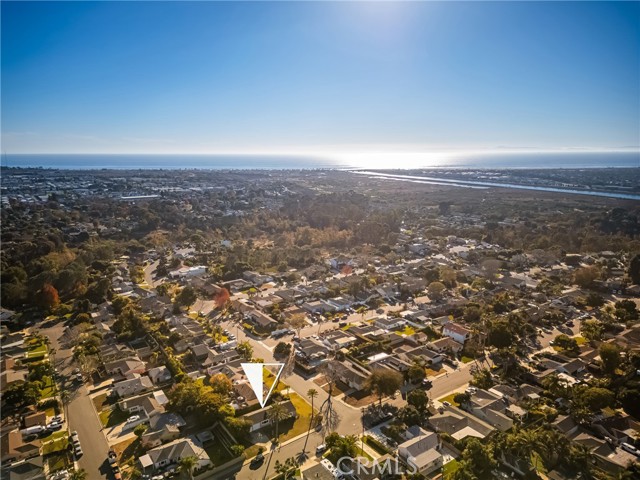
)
(349, 78)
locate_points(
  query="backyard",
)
(112, 417)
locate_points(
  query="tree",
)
(593, 398)
(566, 342)
(481, 378)
(634, 269)
(187, 464)
(500, 335)
(48, 297)
(585, 276)
(187, 296)
(342, 446)
(592, 330)
(383, 382)
(610, 356)
(490, 268)
(139, 430)
(409, 415)
(282, 349)
(276, 413)
(221, 298)
(462, 398)
(297, 321)
(220, 384)
(245, 350)
(286, 468)
(435, 290)
(418, 399)
(416, 373)
(594, 300)
(312, 393)
(480, 457)
(78, 475)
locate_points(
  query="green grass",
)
(580, 340)
(449, 398)
(448, 469)
(35, 351)
(301, 424)
(58, 461)
(218, 454)
(49, 389)
(55, 442)
(407, 330)
(111, 418)
(465, 359)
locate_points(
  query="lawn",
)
(269, 378)
(55, 442)
(218, 454)
(449, 398)
(432, 373)
(301, 424)
(580, 340)
(112, 417)
(408, 330)
(49, 388)
(58, 461)
(129, 450)
(36, 350)
(465, 359)
(449, 468)
(100, 402)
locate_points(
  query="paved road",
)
(149, 270)
(83, 419)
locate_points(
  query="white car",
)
(133, 418)
(627, 447)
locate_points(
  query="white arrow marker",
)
(253, 371)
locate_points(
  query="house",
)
(490, 407)
(349, 374)
(456, 331)
(261, 320)
(446, 345)
(14, 448)
(422, 451)
(159, 375)
(163, 428)
(260, 418)
(31, 469)
(316, 307)
(132, 386)
(337, 339)
(126, 367)
(146, 404)
(172, 452)
(38, 418)
(256, 278)
(389, 323)
(460, 424)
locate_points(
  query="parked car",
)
(627, 447)
(320, 449)
(133, 418)
(112, 457)
(446, 404)
(258, 459)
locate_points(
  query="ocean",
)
(510, 160)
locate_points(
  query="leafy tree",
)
(435, 290)
(585, 276)
(220, 384)
(383, 382)
(245, 350)
(287, 468)
(594, 300)
(140, 429)
(592, 330)
(341, 446)
(409, 415)
(221, 298)
(566, 343)
(462, 398)
(282, 349)
(482, 379)
(78, 475)
(500, 335)
(481, 457)
(610, 356)
(187, 296)
(419, 399)
(416, 373)
(48, 297)
(297, 321)
(188, 464)
(626, 310)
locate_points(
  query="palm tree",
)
(311, 393)
(188, 464)
(276, 413)
(78, 475)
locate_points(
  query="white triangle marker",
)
(253, 371)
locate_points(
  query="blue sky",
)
(277, 76)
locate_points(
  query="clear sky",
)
(278, 76)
